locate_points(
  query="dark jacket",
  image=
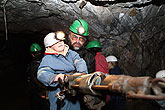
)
(34, 85)
(36, 88)
(89, 58)
(116, 102)
(115, 71)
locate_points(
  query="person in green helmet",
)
(100, 63)
(37, 91)
(77, 41)
(100, 60)
(36, 51)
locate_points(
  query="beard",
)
(76, 47)
(72, 45)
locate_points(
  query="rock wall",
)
(133, 31)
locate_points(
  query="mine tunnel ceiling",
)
(132, 30)
(46, 15)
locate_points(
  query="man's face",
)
(59, 46)
(109, 65)
(77, 41)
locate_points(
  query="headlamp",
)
(81, 29)
(60, 35)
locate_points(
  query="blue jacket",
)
(53, 64)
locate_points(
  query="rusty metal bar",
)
(133, 87)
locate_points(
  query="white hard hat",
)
(50, 39)
(111, 59)
(160, 74)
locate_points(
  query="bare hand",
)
(61, 76)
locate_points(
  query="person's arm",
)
(101, 64)
(79, 63)
(90, 61)
(47, 75)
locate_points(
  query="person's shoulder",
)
(46, 57)
(73, 54)
(72, 51)
(118, 69)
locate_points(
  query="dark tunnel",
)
(14, 58)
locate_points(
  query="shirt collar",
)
(50, 51)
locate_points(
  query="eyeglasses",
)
(81, 39)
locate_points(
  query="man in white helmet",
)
(112, 65)
(161, 74)
(115, 102)
(58, 61)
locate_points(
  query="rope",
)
(81, 14)
(5, 20)
(92, 80)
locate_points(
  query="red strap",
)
(51, 53)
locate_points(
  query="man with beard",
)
(78, 39)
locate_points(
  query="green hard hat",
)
(78, 23)
(35, 47)
(93, 44)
